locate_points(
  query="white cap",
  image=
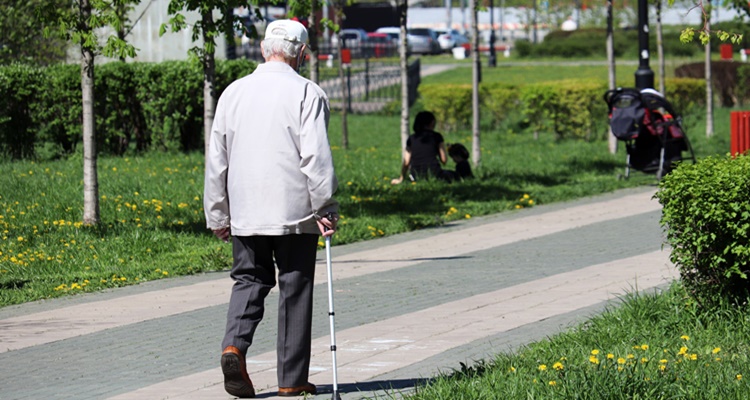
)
(288, 30)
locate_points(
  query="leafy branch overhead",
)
(704, 34)
(69, 25)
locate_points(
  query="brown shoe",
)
(236, 381)
(308, 388)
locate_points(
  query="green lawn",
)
(152, 227)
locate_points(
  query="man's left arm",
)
(315, 151)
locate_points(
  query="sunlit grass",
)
(651, 346)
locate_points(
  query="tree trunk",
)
(660, 48)
(209, 77)
(90, 178)
(312, 31)
(709, 86)
(612, 140)
(404, 66)
(344, 87)
(475, 78)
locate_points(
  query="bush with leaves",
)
(451, 104)
(706, 214)
(500, 100)
(18, 87)
(139, 107)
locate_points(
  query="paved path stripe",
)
(374, 349)
(49, 326)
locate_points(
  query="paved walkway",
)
(407, 307)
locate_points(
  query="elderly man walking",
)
(269, 185)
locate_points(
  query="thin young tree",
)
(312, 30)
(403, 52)
(709, 85)
(338, 20)
(476, 152)
(207, 29)
(80, 25)
(660, 48)
(612, 140)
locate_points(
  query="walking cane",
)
(336, 395)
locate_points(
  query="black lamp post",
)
(492, 61)
(644, 76)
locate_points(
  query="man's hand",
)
(327, 224)
(223, 234)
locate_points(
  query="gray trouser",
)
(254, 275)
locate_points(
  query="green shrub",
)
(18, 86)
(451, 104)
(57, 112)
(592, 42)
(685, 94)
(138, 106)
(499, 100)
(707, 219)
(119, 115)
(572, 108)
(743, 84)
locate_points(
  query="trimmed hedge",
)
(138, 107)
(569, 108)
(706, 213)
(592, 42)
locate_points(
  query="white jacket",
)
(269, 169)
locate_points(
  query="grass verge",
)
(651, 346)
(152, 217)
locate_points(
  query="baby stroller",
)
(651, 129)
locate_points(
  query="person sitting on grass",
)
(460, 155)
(425, 151)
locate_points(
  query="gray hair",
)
(279, 47)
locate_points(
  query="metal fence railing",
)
(371, 82)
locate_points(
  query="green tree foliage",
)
(21, 38)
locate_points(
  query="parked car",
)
(393, 33)
(423, 41)
(352, 38)
(450, 38)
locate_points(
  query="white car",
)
(393, 32)
(423, 41)
(450, 38)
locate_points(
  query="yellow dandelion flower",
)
(512, 369)
(165, 273)
(20, 238)
(663, 361)
(621, 361)
(542, 367)
(467, 216)
(595, 352)
(558, 366)
(662, 368)
(685, 337)
(552, 383)
(594, 360)
(739, 377)
(644, 347)
(630, 356)
(716, 350)
(644, 360)
(610, 356)
(683, 351)
(692, 357)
